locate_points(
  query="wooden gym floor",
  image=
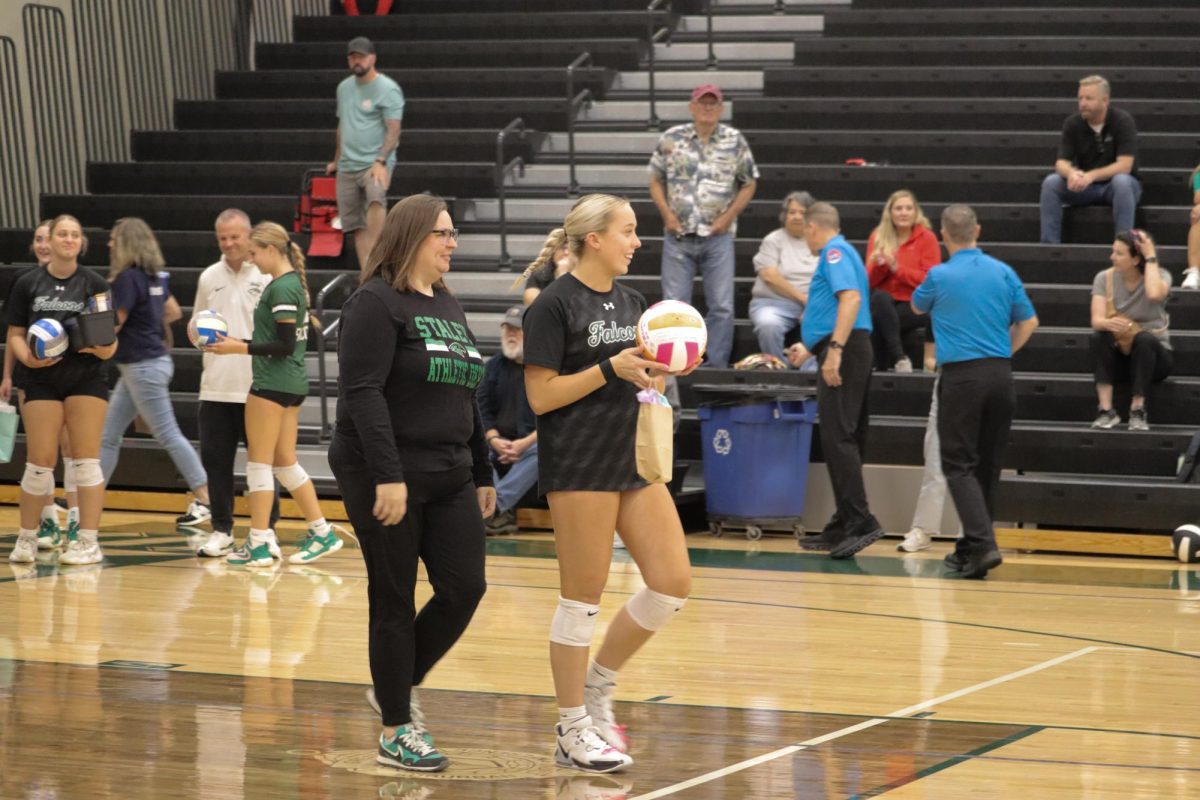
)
(787, 676)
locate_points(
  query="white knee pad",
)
(88, 472)
(69, 482)
(574, 623)
(291, 478)
(258, 477)
(37, 480)
(651, 610)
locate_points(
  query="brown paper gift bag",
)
(655, 437)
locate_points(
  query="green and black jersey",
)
(283, 299)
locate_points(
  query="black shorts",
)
(285, 399)
(68, 378)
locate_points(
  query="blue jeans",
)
(1122, 193)
(773, 318)
(144, 389)
(713, 257)
(520, 478)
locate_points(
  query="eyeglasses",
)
(445, 233)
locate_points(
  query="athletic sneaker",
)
(1138, 421)
(1191, 278)
(1106, 419)
(197, 513)
(501, 523)
(585, 749)
(409, 749)
(273, 545)
(954, 561)
(414, 709)
(903, 366)
(852, 544)
(315, 547)
(218, 545)
(598, 700)
(251, 555)
(24, 551)
(72, 530)
(915, 541)
(49, 536)
(81, 551)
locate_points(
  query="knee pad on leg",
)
(37, 480)
(69, 482)
(258, 477)
(291, 478)
(651, 610)
(88, 473)
(574, 623)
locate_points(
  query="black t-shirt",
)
(143, 297)
(589, 444)
(1089, 150)
(541, 277)
(39, 295)
(408, 368)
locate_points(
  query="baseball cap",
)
(360, 44)
(708, 88)
(513, 316)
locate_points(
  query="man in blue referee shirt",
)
(836, 328)
(981, 316)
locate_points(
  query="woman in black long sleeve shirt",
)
(410, 459)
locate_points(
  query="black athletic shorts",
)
(285, 399)
(68, 378)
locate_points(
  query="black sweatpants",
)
(1148, 361)
(443, 527)
(222, 427)
(976, 400)
(890, 320)
(844, 420)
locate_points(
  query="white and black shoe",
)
(583, 748)
(218, 545)
(599, 702)
(1191, 278)
(197, 514)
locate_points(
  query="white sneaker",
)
(915, 541)
(598, 700)
(218, 545)
(273, 545)
(1191, 278)
(24, 551)
(81, 551)
(903, 366)
(197, 513)
(585, 749)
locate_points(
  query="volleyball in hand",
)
(672, 333)
(47, 338)
(204, 327)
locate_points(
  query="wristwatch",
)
(1152, 260)
(835, 345)
(381, 161)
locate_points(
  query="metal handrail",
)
(502, 171)
(322, 334)
(652, 36)
(712, 56)
(572, 107)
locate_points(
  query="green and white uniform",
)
(283, 299)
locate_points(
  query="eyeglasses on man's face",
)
(445, 233)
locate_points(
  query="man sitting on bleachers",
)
(509, 424)
(1097, 162)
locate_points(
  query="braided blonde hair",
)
(591, 213)
(272, 234)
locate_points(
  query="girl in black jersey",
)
(410, 460)
(582, 375)
(70, 388)
(50, 534)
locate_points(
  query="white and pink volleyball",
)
(673, 333)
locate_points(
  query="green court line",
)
(888, 567)
(948, 763)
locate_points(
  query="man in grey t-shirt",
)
(369, 108)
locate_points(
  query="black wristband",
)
(607, 370)
(835, 345)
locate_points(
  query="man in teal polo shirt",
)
(981, 316)
(836, 328)
(369, 108)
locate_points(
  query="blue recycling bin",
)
(756, 459)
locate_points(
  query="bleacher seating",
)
(956, 104)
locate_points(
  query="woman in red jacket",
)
(900, 251)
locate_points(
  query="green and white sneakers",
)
(411, 748)
(316, 546)
(251, 555)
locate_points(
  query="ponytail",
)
(553, 242)
(296, 256)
